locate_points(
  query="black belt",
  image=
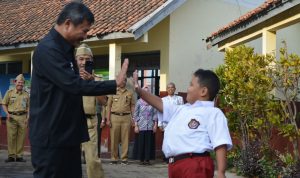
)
(187, 155)
(90, 116)
(120, 114)
(17, 113)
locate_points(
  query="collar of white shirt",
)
(203, 104)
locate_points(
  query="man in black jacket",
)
(57, 121)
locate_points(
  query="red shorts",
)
(195, 167)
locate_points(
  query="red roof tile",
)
(24, 21)
(268, 4)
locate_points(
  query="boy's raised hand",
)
(136, 80)
(153, 100)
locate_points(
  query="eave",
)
(281, 16)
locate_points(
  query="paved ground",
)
(133, 170)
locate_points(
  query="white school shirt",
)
(194, 128)
(176, 100)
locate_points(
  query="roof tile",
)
(262, 8)
(23, 21)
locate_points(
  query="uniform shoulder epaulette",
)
(10, 90)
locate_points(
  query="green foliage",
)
(245, 89)
(246, 96)
(258, 94)
(246, 160)
(269, 168)
(231, 157)
(286, 75)
(288, 164)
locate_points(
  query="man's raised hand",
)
(121, 77)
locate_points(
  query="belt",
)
(187, 155)
(17, 113)
(90, 116)
(120, 114)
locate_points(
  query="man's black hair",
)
(77, 12)
(207, 78)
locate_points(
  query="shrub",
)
(247, 161)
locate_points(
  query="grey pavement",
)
(158, 169)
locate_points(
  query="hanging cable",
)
(238, 3)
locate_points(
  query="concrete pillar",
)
(31, 66)
(25, 66)
(269, 42)
(228, 47)
(114, 60)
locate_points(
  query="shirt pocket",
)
(12, 100)
(128, 98)
(24, 102)
(116, 98)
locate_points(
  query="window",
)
(11, 68)
(2, 68)
(150, 78)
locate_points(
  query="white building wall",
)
(189, 24)
(292, 38)
(288, 34)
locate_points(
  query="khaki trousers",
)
(16, 132)
(93, 163)
(119, 133)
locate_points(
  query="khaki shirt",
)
(89, 104)
(121, 102)
(16, 101)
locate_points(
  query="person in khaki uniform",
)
(15, 104)
(120, 108)
(93, 162)
(101, 104)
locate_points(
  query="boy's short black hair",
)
(207, 78)
(77, 12)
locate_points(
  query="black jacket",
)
(56, 110)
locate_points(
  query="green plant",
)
(254, 108)
(246, 97)
(245, 93)
(287, 165)
(286, 75)
(297, 170)
(246, 160)
(268, 167)
(231, 156)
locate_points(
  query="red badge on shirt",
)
(193, 124)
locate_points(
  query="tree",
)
(247, 92)
(286, 74)
(247, 98)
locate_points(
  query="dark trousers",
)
(99, 131)
(194, 167)
(144, 146)
(56, 162)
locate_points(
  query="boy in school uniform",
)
(194, 130)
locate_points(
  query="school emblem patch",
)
(193, 124)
